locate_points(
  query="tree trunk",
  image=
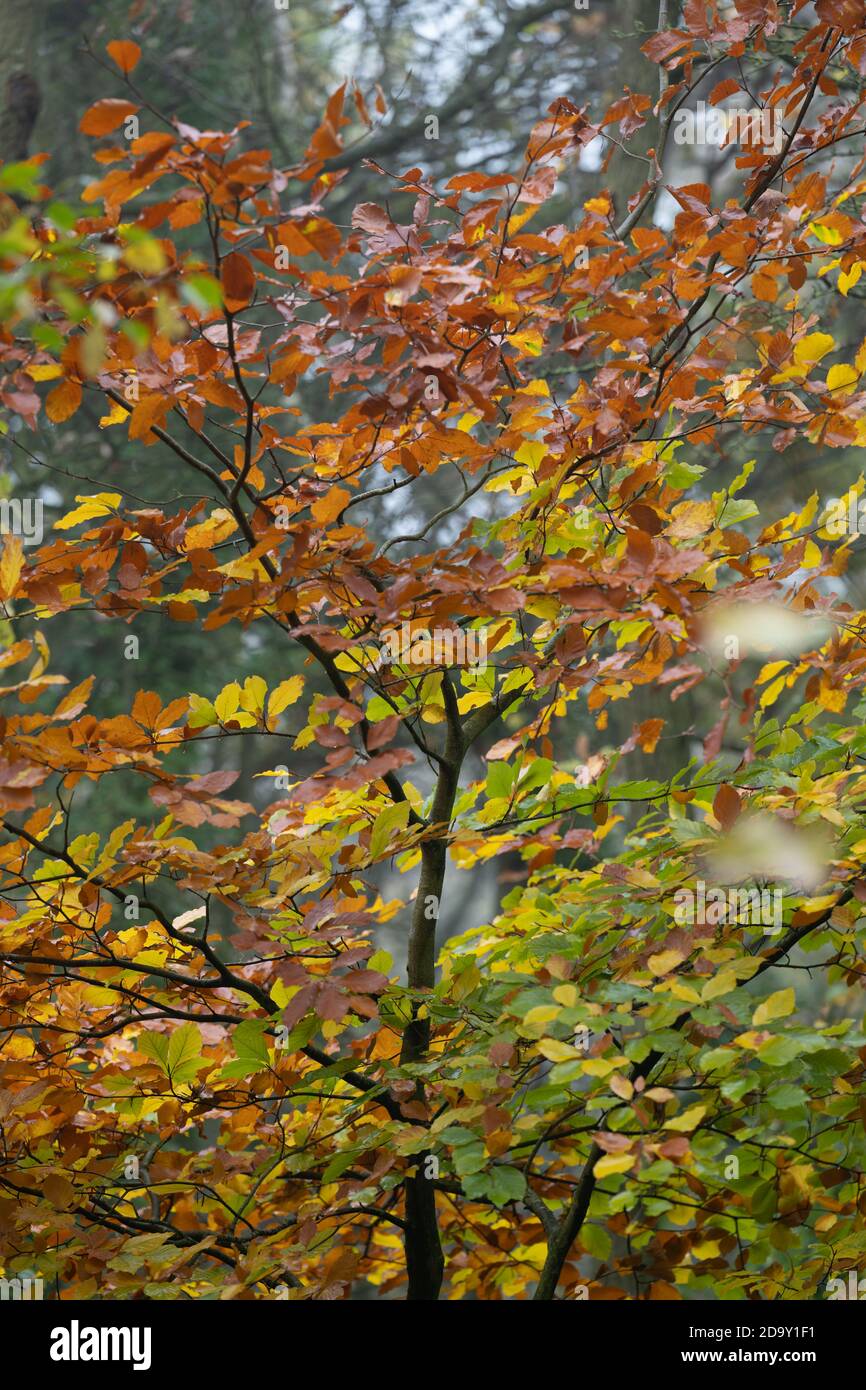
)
(19, 89)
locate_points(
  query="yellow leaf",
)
(11, 565)
(829, 235)
(772, 693)
(720, 984)
(253, 695)
(691, 519)
(529, 342)
(613, 1163)
(771, 669)
(45, 371)
(474, 700)
(227, 701)
(556, 1051)
(116, 415)
(832, 698)
(777, 1005)
(665, 961)
(842, 379)
(689, 1120)
(812, 348)
(542, 1013)
(681, 991)
(100, 504)
(219, 525)
(848, 280)
(285, 694)
(603, 1066)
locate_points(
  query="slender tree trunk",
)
(19, 88)
(425, 1262)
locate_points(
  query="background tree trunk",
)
(19, 89)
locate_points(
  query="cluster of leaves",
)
(555, 1107)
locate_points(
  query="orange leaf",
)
(238, 281)
(726, 806)
(328, 508)
(11, 565)
(106, 115)
(63, 401)
(125, 53)
(723, 89)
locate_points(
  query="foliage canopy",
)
(212, 1079)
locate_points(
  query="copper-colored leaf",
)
(106, 115)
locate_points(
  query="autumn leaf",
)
(125, 53)
(106, 115)
(63, 401)
(238, 281)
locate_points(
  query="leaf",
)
(125, 53)
(505, 1184)
(556, 1051)
(250, 1044)
(238, 281)
(106, 115)
(201, 713)
(184, 1053)
(218, 527)
(63, 401)
(100, 504)
(154, 1045)
(227, 702)
(285, 694)
(689, 1120)
(812, 348)
(726, 806)
(777, 1005)
(614, 1163)
(665, 961)
(11, 565)
(723, 89)
(499, 779)
(59, 1191)
(329, 507)
(394, 817)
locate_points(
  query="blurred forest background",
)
(486, 70)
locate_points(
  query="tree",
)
(616, 1086)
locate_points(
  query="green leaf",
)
(394, 817)
(683, 475)
(250, 1044)
(499, 780)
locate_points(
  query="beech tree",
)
(214, 1081)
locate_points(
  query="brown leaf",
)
(106, 115)
(63, 401)
(238, 281)
(726, 806)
